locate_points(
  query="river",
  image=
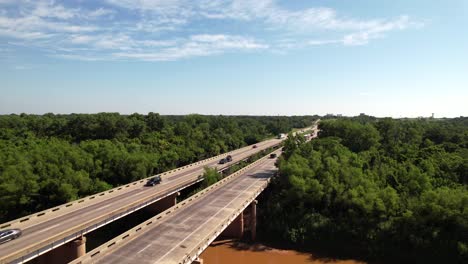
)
(232, 252)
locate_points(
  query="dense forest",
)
(47, 160)
(390, 190)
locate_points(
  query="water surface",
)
(232, 252)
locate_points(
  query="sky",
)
(395, 58)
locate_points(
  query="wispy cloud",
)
(23, 67)
(377, 30)
(163, 30)
(101, 12)
(195, 46)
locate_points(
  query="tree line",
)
(47, 160)
(384, 189)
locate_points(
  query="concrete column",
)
(198, 261)
(163, 204)
(64, 254)
(236, 228)
(253, 219)
(77, 248)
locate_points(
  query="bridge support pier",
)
(245, 221)
(253, 219)
(65, 253)
(235, 228)
(163, 204)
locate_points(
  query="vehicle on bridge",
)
(9, 234)
(254, 146)
(153, 181)
(272, 155)
(226, 160)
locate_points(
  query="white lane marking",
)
(144, 248)
(196, 230)
(105, 206)
(117, 202)
(50, 227)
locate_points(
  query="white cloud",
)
(92, 57)
(176, 29)
(196, 45)
(81, 39)
(52, 10)
(377, 30)
(41, 20)
(164, 8)
(101, 12)
(322, 42)
(264, 11)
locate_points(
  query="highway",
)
(185, 233)
(42, 232)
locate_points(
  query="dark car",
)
(222, 161)
(153, 181)
(9, 234)
(272, 155)
(229, 158)
(254, 146)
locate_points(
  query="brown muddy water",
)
(233, 252)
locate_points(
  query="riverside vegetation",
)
(379, 189)
(47, 160)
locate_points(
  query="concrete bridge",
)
(181, 233)
(56, 235)
(60, 230)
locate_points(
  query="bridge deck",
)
(192, 228)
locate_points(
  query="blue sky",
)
(260, 57)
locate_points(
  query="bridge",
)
(181, 233)
(60, 230)
(57, 226)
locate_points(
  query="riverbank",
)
(234, 252)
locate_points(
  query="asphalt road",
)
(41, 231)
(175, 236)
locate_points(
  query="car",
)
(222, 161)
(153, 181)
(229, 158)
(272, 155)
(9, 234)
(254, 146)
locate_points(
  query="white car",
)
(9, 234)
